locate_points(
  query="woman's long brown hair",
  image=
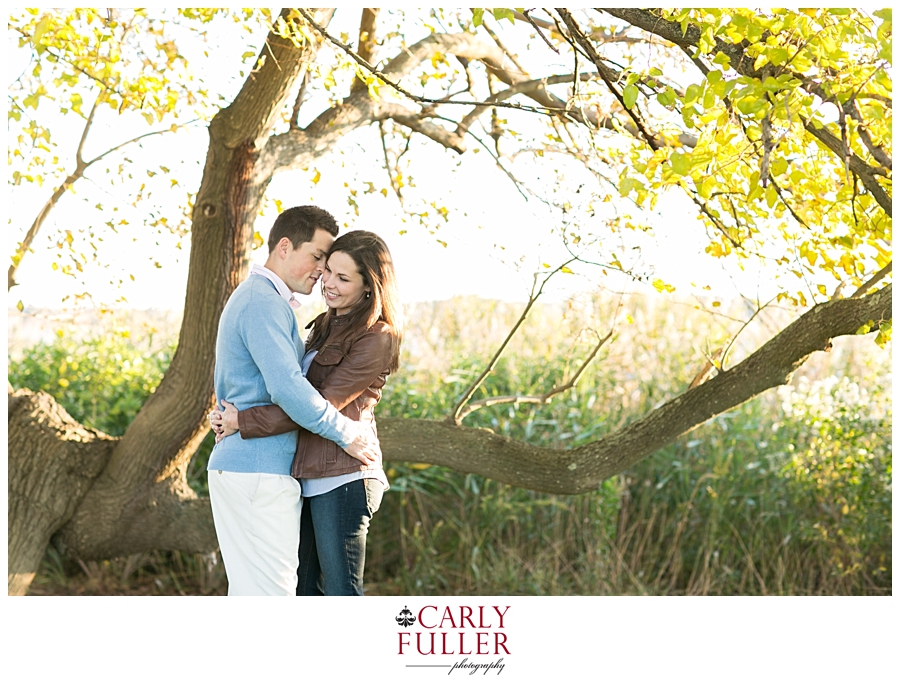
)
(373, 262)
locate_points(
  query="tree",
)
(750, 142)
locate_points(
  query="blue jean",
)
(333, 528)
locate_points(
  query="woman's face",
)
(342, 283)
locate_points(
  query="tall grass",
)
(788, 494)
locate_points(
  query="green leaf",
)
(504, 13)
(681, 163)
(666, 98)
(40, 30)
(630, 95)
(778, 56)
(692, 93)
(751, 105)
(477, 15)
(884, 333)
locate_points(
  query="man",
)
(255, 501)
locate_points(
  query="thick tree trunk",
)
(141, 497)
(53, 460)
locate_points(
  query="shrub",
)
(101, 381)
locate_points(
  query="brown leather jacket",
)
(352, 382)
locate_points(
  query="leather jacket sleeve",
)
(264, 421)
(357, 371)
(368, 358)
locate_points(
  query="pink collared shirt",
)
(279, 284)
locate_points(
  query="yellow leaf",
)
(662, 285)
(316, 177)
(566, 269)
(20, 306)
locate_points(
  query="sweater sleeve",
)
(266, 331)
(367, 359)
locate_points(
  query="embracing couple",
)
(296, 473)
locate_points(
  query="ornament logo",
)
(406, 618)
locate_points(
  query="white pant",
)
(257, 518)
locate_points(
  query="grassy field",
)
(788, 494)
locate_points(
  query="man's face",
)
(302, 266)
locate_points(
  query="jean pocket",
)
(374, 494)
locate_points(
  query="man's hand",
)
(365, 448)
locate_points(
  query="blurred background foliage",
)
(787, 494)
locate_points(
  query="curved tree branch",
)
(575, 471)
(81, 168)
(543, 398)
(582, 40)
(458, 44)
(873, 281)
(858, 166)
(878, 153)
(367, 41)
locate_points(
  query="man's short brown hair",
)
(299, 224)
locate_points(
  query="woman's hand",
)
(225, 422)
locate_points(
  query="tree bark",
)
(53, 460)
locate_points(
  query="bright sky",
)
(495, 239)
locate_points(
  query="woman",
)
(351, 349)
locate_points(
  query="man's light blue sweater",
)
(258, 352)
